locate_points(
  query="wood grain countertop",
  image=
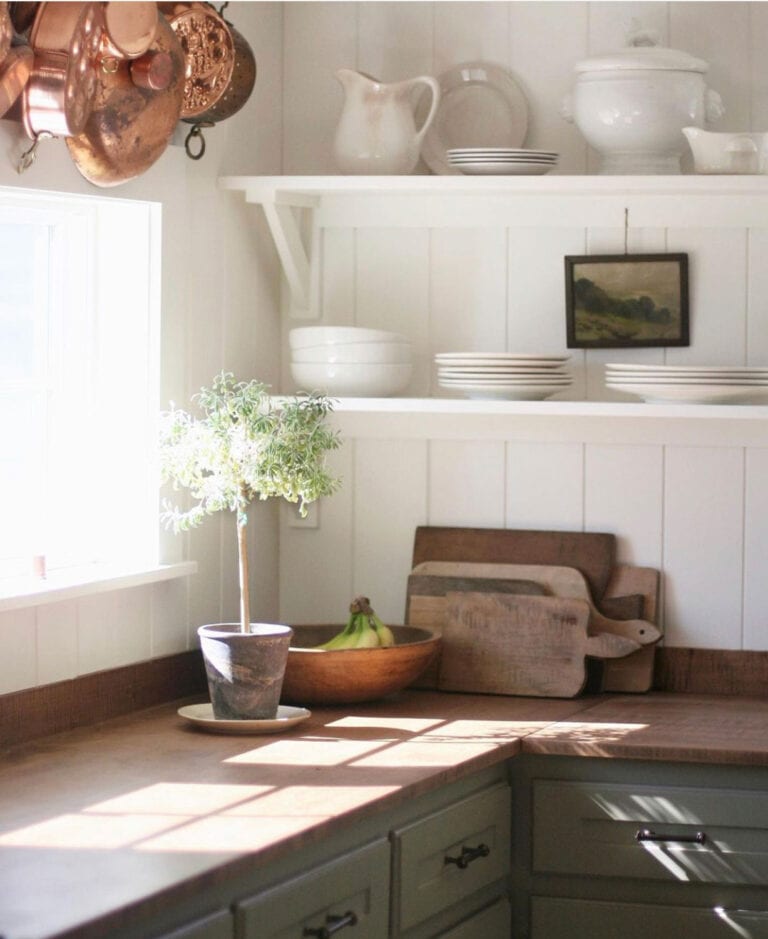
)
(145, 808)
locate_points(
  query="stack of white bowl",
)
(350, 360)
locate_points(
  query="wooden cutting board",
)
(496, 643)
(557, 581)
(426, 604)
(592, 553)
(633, 674)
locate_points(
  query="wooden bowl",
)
(349, 676)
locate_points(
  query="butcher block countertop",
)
(146, 809)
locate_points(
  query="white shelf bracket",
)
(301, 268)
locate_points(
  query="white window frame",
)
(106, 257)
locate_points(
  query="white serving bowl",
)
(305, 336)
(368, 380)
(385, 353)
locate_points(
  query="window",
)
(79, 344)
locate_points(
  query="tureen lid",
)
(643, 52)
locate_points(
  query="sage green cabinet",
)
(615, 849)
(349, 896)
(219, 925)
(448, 856)
(590, 919)
(495, 920)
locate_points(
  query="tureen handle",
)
(714, 108)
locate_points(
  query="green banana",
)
(364, 629)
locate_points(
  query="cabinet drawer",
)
(216, 926)
(494, 922)
(447, 856)
(356, 884)
(655, 833)
(591, 919)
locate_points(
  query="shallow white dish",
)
(366, 380)
(508, 393)
(505, 169)
(201, 715)
(687, 369)
(501, 152)
(471, 358)
(473, 371)
(694, 394)
(480, 105)
(689, 380)
(304, 336)
(385, 353)
(541, 379)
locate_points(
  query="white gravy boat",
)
(718, 152)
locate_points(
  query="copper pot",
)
(22, 16)
(132, 119)
(209, 51)
(129, 28)
(6, 31)
(15, 70)
(66, 40)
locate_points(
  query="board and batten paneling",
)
(684, 510)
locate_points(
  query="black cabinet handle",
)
(645, 834)
(333, 924)
(468, 855)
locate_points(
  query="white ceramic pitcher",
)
(377, 133)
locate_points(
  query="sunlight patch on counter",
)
(187, 799)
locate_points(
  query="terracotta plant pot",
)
(245, 670)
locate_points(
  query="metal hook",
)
(196, 132)
(29, 156)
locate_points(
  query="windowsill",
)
(69, 585)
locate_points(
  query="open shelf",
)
(552, 421)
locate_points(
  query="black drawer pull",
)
(333, 924)
(468, 855)
(645, 834)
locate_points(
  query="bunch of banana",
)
(364, 629)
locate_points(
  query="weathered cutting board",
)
(425, 598)
(426, 605)
(558, 581)
(497, 643)
(633, 674)
(592, 553)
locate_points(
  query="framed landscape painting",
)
(626, 300)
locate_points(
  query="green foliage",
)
(245, 447)
(593, 299)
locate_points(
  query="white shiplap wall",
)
(697, 513)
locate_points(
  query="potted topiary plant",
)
(244, 447)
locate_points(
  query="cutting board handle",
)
(610, 646)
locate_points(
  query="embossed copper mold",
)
(209, 51)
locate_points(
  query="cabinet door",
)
(495, 922)
(673, 833)
(347, 897)
(218, 925)
(449, 855)
(591, 919)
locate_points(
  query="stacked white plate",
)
(502, 375)
(496, 161)
(694, 384)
